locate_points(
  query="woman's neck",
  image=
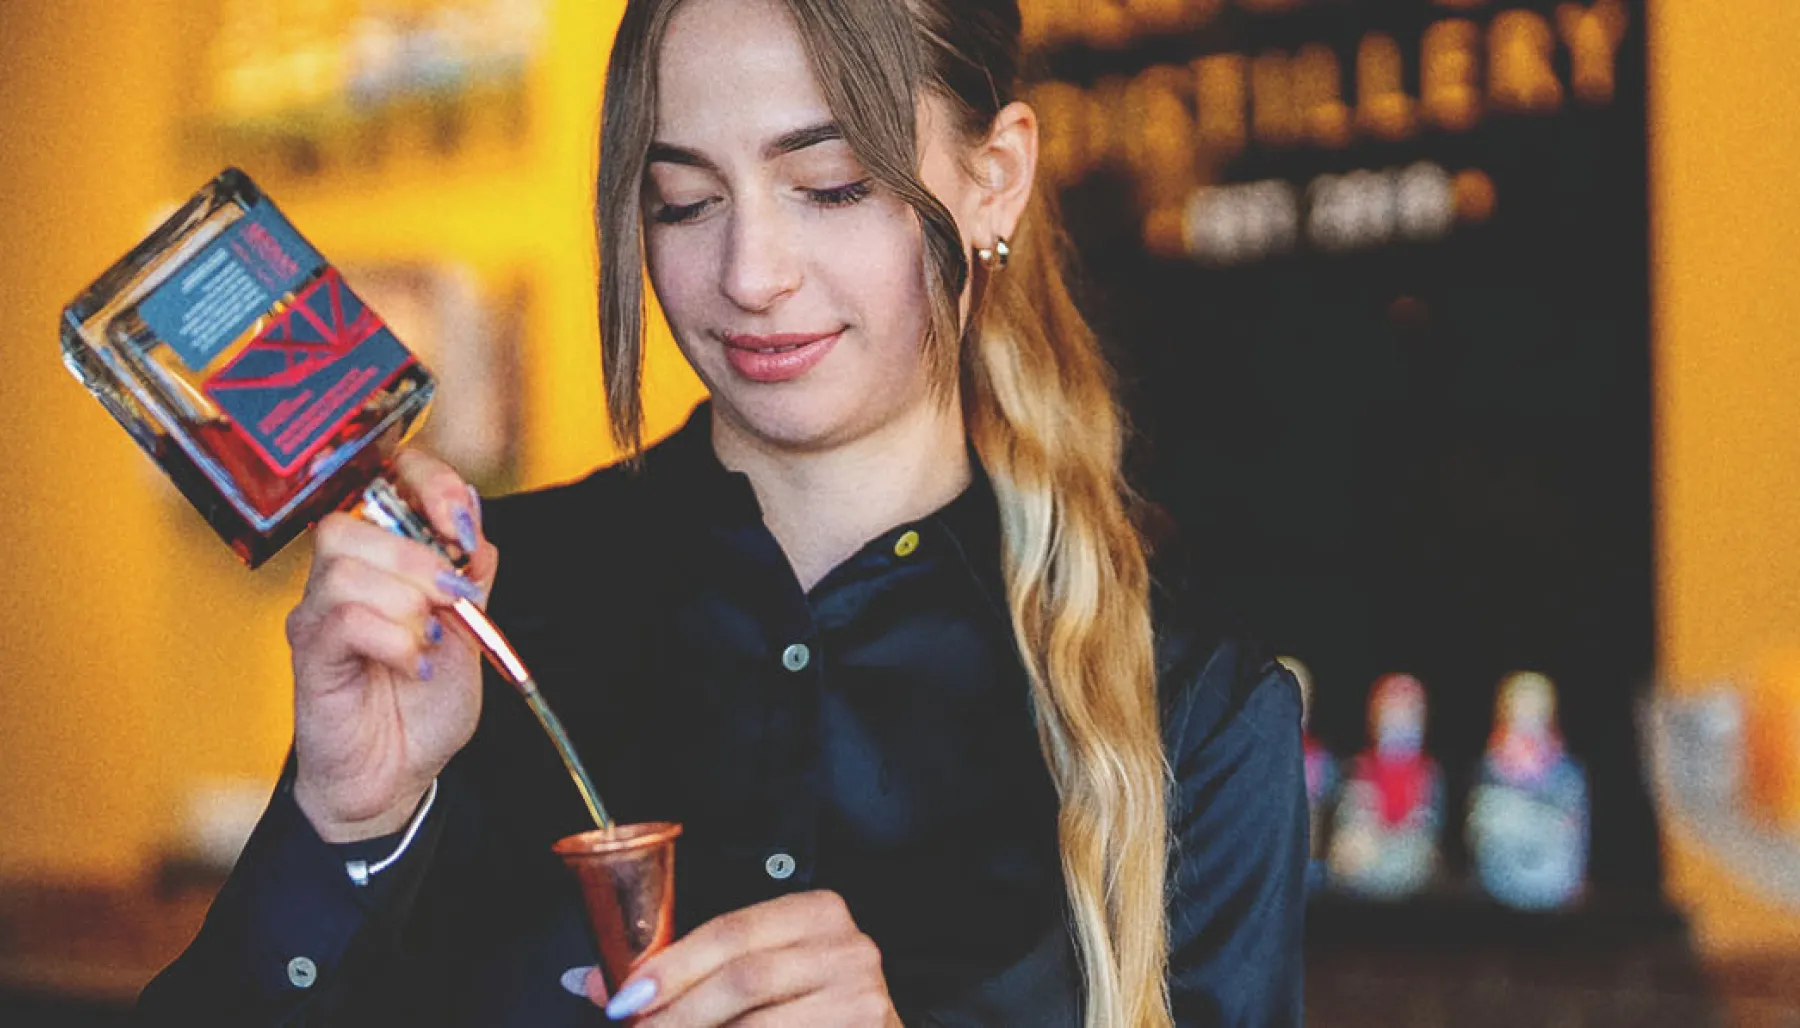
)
(824, 505)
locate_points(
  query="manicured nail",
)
(574, 981)
(424, 669)
(434, 631)
(475, 504)
(457, 585)
(465, 529)
(631, 999)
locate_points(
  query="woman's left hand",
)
(797, 960)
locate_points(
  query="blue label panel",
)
(307, 373)
(234, 281)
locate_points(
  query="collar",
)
(693, 484)
(687, 474)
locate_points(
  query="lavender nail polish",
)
(434, 631)
(425, 670)
(465, 530)
(574, 980)
(457, 585)
(631, 999)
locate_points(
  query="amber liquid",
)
(358, 453)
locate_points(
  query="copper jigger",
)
(627, 876)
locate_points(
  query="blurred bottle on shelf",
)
(1528, 813)
(1385, 832)
(301, 68)
(376, 45)
(314, 61)
(244, 80)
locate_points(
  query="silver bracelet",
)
(360, 870)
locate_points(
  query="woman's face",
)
(793, 283)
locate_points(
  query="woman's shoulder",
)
(626, 505)
(1215, 679)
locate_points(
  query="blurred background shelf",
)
(86, 952)
(74, 958)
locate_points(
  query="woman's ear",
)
(1005, 167)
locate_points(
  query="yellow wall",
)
(1727, 201)
(1726, 188)
(137, 657)
(80, 672)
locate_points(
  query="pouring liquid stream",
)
(381, 504)
(506, 661)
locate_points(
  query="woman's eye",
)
(675, 214)
(842, 196)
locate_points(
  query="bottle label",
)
(236, 279)
(312, 362)
(307, 372)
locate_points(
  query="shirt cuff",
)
(365, 861)
(292, 904)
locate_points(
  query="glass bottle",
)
(271, 395)
(240, 361)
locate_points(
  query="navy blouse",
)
(872, 736)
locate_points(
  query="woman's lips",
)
(778, 358)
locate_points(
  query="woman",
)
(876, 626)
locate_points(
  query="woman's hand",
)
(384, 693)
(798, 960)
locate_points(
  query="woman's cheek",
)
(678, 273)
(881, 255)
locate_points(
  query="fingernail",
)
(424, 669)
(457, 585)
(465, 529)
(631, 999)
(475, 504)
(434, 631)
(574, 981)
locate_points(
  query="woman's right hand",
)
(385, 692)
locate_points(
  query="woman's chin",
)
(791, 422)
(829, 406)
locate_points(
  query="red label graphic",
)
(307, 373)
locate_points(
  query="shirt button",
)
(302, 972)
(906, 544)
(780, 867)
(796, 657)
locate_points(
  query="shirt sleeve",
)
(289, 935)
(1239, 838)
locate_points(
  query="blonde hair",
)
(1039, 404)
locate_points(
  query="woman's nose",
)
(761, 265)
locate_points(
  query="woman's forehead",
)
(736, 63)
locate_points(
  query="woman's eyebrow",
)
(668, 153)
(800, 139)
(786, 143)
